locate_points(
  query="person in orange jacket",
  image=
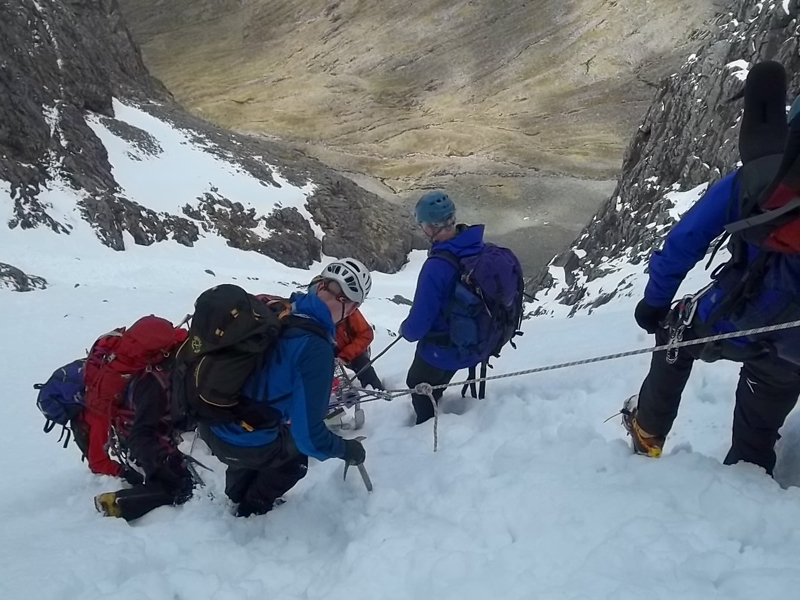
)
(353, 337)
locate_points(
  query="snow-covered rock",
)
(80, 113)
(688, 139)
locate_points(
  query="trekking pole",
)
(372, 362)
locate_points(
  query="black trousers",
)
(369, 376)
(139, 500)
(768, 390)
(257, 476)
(423, 372)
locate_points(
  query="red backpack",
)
(769, 180)
(118, 356)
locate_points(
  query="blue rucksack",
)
(485, 308)
(61, 397)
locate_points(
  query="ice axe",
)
(382, 352)
(361, 469)
(191, 465)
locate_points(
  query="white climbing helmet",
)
(352, 276)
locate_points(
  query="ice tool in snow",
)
(362, 470)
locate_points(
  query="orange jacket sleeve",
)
(353, 336)
(96, 455)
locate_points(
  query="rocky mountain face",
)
(63, 61)
(520, 109)
(402, 89)
(688, 137)
(19, 281)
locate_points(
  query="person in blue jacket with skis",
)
(436, 360)
(755, 288)
(265, 462)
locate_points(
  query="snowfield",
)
(531, 494)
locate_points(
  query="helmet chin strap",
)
(434, 229)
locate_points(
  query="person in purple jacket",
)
(436, 360)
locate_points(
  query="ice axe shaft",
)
(365, 476)
(372, 362)
(361, 469)
(193, 461)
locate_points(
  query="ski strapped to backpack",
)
(231, 331)
(485, 309)
(61, 398)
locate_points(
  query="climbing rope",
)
(425, 389)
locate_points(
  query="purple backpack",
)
(485, 308)
(61, 397)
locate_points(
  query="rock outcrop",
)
(18, 281)
(65, 61)
(689, 137)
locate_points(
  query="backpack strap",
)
(447, 256)
(443, 338)
(734, 198)
(469, 386)
(763, 218)
(478, 392)
(65, 434)
(482, 386)
(291, 321)
(742, 290)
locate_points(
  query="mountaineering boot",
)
(643, 443)
(106, 504)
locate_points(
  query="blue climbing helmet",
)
(436, 208)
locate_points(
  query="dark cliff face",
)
(688, 138)
(63, 61)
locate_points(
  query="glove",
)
(649, 317)
(354, 453)
(132, 476)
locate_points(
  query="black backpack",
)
(766, 207)
(230, 334)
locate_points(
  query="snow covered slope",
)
(531, 494)
(167, 168)
(84, 121)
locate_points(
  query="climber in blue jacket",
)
(758, 286)
(265, 462)
(769, 383)
(436, 361)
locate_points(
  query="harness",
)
(680, 318)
